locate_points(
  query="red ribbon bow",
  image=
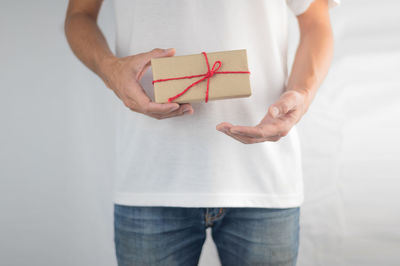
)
(211, 72)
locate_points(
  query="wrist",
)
(106, 67)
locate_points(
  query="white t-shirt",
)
(184, 161)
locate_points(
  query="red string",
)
(214, 70)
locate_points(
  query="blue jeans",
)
(174, 236)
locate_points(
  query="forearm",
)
(312, 60)
(87, 42)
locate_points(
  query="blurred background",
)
(57, 137)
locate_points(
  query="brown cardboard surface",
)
(222, 86)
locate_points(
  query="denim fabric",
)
(174, 236)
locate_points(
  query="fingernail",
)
(169, 50)
(274, 111)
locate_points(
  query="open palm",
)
(280, 118)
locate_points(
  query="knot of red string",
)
(214, 69)
(206, 76)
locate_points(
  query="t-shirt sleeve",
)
(300, 6)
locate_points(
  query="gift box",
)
(201, 77)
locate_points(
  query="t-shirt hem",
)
(208, 200)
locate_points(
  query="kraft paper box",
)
(227, 77)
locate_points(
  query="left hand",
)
(280, 118)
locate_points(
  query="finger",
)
(253, 132)
(142, 71)
(258, 139)
(174, 114)
(223, 126)
(260, 132)
(160, 108)
(263, 131)
(182, 110)
(155, 53)
(227, 128)
(269, 138)
(242, 139)
(144, 59)
(140, 102)
(145, 104)
(187, 108)
(286, 103)
(160, 117)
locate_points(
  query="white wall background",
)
(56, 141)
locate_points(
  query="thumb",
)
(281, 107)
(144, 59)
(157, 53)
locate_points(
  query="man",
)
(232, 165)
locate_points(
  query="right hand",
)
(122, 75)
